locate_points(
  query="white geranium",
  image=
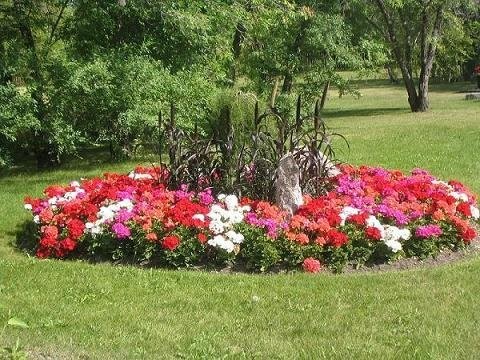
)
(394, 245)
(199, 217)
(234, 236)
(475, 212)
(459, 196)
(231, 202)
(216, 227)
(346, 212)
(138, 176)
(222, 243)
(222, 221)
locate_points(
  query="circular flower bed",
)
(370, 216)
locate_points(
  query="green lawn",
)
(79, 310)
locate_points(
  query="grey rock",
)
(288, 194)
(473, 96)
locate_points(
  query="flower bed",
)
(371, 215)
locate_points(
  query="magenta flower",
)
(121, 231)
(427, 231)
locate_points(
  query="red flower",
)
(336, 238)
(311, 265)
(468, 235)
(333, 218)
(68, 244)
(464, 208)
(46, 215)
(54, 190)
(43, 253)
(373, 233)
(152, 236)
(358, 219)
(48, 242)
(202, 238)
(75, 228)
(50, 232)
(171, 242)
(301, 238)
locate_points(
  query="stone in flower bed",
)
(370, 216)
(473, 96)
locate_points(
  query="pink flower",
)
(311, 265)
(427, 231)
(121, 231)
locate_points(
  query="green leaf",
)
(17, 323)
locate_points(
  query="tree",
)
(33, 52)
(413, 29)
(289, 40)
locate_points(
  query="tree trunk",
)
(391, 75)
(287, 83)
(46, 153)
(418, 100)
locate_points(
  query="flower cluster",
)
(370, 214)
(223, 217)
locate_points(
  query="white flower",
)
(228, 246)
(372, 221)
(52, 201)
(346, 212)
(459, 196)
(36, 219)
(235, 217)
(126, 204)
(246, 208)
(235, 237)
(27, 207)
(106, 213)
(200, 217)
(440, 182)
(217, 227)
(93, 228)
(219, 241)
(475, 212)
(405, 234)
(231, 202)
(393, 233)
(220, 197)
(75, 184)
(70, 195)
(136, 176)
(394, 245)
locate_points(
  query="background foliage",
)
(77, 73)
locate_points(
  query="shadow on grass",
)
(334, 114)
(88, 160)
(25, 237)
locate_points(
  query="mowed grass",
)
(80, 310)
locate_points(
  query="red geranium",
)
(75, 228)
(336, 238)
(202, 238)
(311, 265)
(373, 233)
(468, 235)
(464, 208)
(171, 242)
